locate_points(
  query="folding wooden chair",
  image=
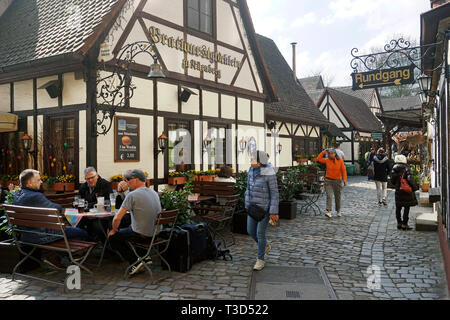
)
(39, 221)
(164, 218)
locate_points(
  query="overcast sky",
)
(327, 30)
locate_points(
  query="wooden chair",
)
(220, 216)
(64, 199)
(40, 221)
(156, 243)
(214, 188)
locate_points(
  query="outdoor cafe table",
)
(74, 218)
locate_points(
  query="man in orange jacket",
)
(336, 173)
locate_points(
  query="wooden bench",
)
(214, 188)
(42, 221)
(64, 199)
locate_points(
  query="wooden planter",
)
(301, 160)
(64, 187)
(114, 185)
(10, 256)
(177, 180)
(287, 210)
(207, 178)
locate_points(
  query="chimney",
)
(294, 61)
(4, 4)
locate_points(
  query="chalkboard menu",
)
(126, 139)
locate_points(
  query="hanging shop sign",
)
(377, 135)
(383, 78)
(126, 139)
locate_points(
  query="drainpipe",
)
(294, 61)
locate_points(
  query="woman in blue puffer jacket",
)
(262, 190)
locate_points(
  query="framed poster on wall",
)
(126, 139)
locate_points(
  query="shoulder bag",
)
(404, 184)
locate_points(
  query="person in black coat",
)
(382, 168)
(403, 199)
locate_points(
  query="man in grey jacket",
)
(262, 190)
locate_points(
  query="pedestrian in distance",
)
(262, 191)
(369, 160)
(382, 168)
(404, 199)
(336, 174)
(339, 152)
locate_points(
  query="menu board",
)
(126, 139)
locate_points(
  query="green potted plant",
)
(240, 214)
(287, 187)
(425, 182)
(177, 200)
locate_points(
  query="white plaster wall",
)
(210, 104)
(245, 79)
(228, 107)
(74, 91)
(337, 113)
(228, 72)
(105, 151)
(162, 9)
(167, 97)
(5, 98)
(284, 159)
(43, 99)
(315, 133)
(227, 30)
(23, 95)
(283, 129)
(83, 145)
(258, 111)
(346, 147)
(193, 104)
(194, 73)
(244, 109)
(143, 94)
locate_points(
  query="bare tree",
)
(327, 78)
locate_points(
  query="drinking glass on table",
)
(107, 205)
(113, 205)
(81, 205)
(75, 202)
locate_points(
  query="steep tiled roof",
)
(364, 94)
(293, 99)
(356, 110)
(405, 103)
(312, 83)
(37, 29)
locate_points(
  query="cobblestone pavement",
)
(410, 262)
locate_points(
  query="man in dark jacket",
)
(382, 168)
(403, 199)
(95, 186)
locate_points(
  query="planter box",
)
(287, 210)
(207, 178)
(300, 160)
(114, 185)
(10, 256)
(240, 222)
(64, 187)
(177, 180)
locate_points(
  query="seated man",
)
(144, 205)
(29, 195)
(95, 186)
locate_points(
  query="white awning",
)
(8, 122)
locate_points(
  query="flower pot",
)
(10, 256)
(206, 178)
(58, 187)
(177, 180)
(69, 186)
(114, 185)
(300, 160)
(287, 209)
(425, 187)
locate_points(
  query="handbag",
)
(371, 170)
(404, 184)
(256, 212)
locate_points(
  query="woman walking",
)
(262, 191)
(403, 199)
(382, 168)
(336, 173)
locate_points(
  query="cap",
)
(331, 150)
(400, 159)
(136, 173)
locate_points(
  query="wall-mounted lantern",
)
(162, 144)
(185, 94)
(279, 148)
(207, 144)
(242, 145)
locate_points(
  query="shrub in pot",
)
(287, 183)
(240, 214)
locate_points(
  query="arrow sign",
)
(383, 78)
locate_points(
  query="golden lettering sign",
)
(383, 78)
(198, 51)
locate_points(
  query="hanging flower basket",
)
(177, 180)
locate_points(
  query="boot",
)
(406, 227)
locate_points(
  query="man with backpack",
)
(405, 187)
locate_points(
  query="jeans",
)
(257, 230)
(119, 242)
(381, 190)
(76, 234)
(398, 213)
(333, 187)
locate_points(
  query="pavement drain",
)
(291, 283)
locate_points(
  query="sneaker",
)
(380, 203)
(268, 248)
(339, 214)
(328, 214)
(136, 269)
(384, 202)
(399, 227)
(259, 265)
